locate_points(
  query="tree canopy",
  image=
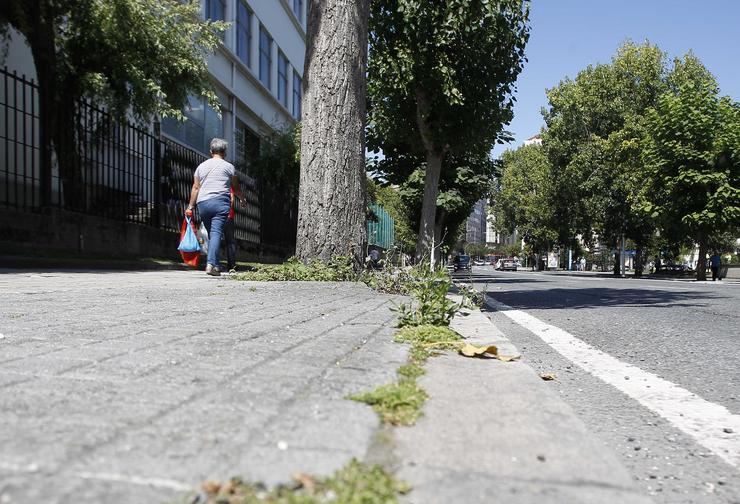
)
(441, 79)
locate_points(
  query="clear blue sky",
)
(568, 35)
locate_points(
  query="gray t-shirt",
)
(215, 178)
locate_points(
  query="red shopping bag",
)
(189, 258)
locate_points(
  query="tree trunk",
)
(428, 207)
(331, 201)
(41, 41)
(617, 266)
(701, 264)
(639, 261)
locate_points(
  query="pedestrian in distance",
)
(715, 262)
(212, 182)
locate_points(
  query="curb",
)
(494, 431)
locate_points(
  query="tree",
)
(440, 84)
(463, 182)
(525, 198)
(595, 125)
(142, 57)
(331, 202)
(692, 153)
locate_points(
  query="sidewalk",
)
(135, 387)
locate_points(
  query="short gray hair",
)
(219, 146)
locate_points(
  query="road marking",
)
(712, 425)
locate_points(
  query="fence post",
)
(157, 175)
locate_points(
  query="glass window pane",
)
(282, 79)
(297, 91)
(265, 57)
(214, 127)
(243, 33)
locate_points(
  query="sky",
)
(568, 35)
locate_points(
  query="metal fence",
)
(20, 177)
(120, 171)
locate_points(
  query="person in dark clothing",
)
(715, 261)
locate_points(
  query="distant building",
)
(475, 227)
(534, 140)
(495, 238)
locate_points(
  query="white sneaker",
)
(212, 270)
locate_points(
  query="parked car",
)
(507, 265)
(478, 262)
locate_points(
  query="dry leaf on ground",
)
(211, 487)
(547, 376)
(305, 481)
(469, 350)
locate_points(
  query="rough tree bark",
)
(701, 263)
(434, 158)
(331, 200)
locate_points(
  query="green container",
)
(383, 232)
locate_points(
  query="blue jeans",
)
(214, 212)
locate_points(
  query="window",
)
(244, 33)
(297, 91)
(282, 79)
(202, 123)
(265, 57)
(216, 10)
(298, 10)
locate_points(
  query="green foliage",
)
(592, 142)
(145, 56)
(435, 59)
(525, 197)
(355, 483)
(440, 83)
(464, 181)
(692, 151)
(430, 305)
(278, 162)
(397, 403)
(339, 269)
(438, 337)
(390, 199)
(476, 249)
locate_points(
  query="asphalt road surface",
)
(651, 366)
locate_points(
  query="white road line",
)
(712, 425)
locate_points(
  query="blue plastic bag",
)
(189, 242)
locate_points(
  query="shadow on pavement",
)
(559, 298)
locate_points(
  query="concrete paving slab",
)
(135, 387)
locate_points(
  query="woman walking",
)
(212, 182)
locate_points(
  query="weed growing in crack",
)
(355, 483)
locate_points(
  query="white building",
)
(494, 238)
(534, 140)
(257, 74)
(475, 226)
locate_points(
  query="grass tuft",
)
(397, 403)
(355, 483)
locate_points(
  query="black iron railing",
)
(120, 170)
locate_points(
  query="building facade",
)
(475, 226)
(257, 74)
(128, 175)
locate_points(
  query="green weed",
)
(355, 483)
(397, 403)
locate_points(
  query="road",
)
(675, 425)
